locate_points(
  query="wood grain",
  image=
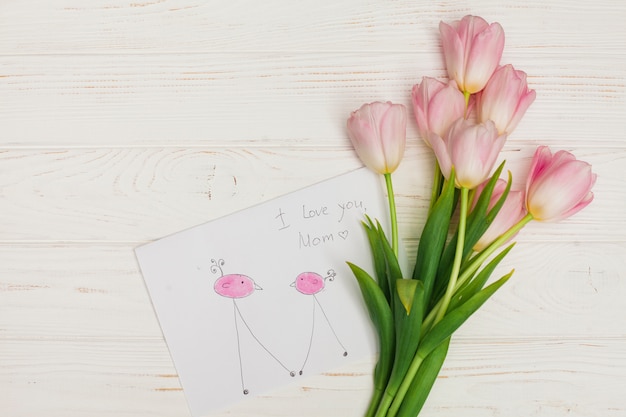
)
(94, 292)
(122, 121)
(245, 99)
(139, 194)
(123, 26)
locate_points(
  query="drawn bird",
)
(311, 283)
(235, 286)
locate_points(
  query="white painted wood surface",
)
(124, 121)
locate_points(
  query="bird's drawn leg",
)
(235, 312)
(345, 352)
(291, 373)
(308, 352)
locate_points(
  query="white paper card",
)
(263, 297)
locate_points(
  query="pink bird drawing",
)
(311, 283)
(235, 286)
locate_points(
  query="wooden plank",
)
(302, 98)
(122, 26)
(562, 378)
(61, 292)
(96, 292)
(578, 377)
(139, 194)
(96, 378)
(124, 121)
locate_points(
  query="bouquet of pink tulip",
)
(465, 121)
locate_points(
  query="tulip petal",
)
(561, 188)
(392, 128)
(578, 207)
(378, 133)
(441, 153)
(473, 150)
(540, 161)
(525, 101)
(445, 107)
(505, 98)
(419, 98)
(483, 57)
(453, 48)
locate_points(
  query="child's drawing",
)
(236, 286)
(311, 283)
(226, 335)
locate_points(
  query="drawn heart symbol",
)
(343, 234)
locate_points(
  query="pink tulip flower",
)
(472, 50)
(511, 212)
(378, 134)
(558, 185)
(505, 99)
(435, 106)
(471, 148)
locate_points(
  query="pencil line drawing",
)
(311, 283)
(236, 286)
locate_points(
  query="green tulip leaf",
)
(406, 289)
(382, 318)
(433, 238)
(423, 381)
(408, 320)
(394, 273)
(474, 285)
(478, 221)
(455, 318)
(378, 255)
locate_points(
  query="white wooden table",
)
(125, 121)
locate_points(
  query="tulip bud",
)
(471, 148)
(472, 50)
(436, 105)
(511, 212)
(505, 99)
(558, 185)
(378, 134)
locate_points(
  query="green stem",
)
(384, 405)
(458, 256)
(404, 387)
(476, 262)
(417, 359)
(373, 406)
(392, 213)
